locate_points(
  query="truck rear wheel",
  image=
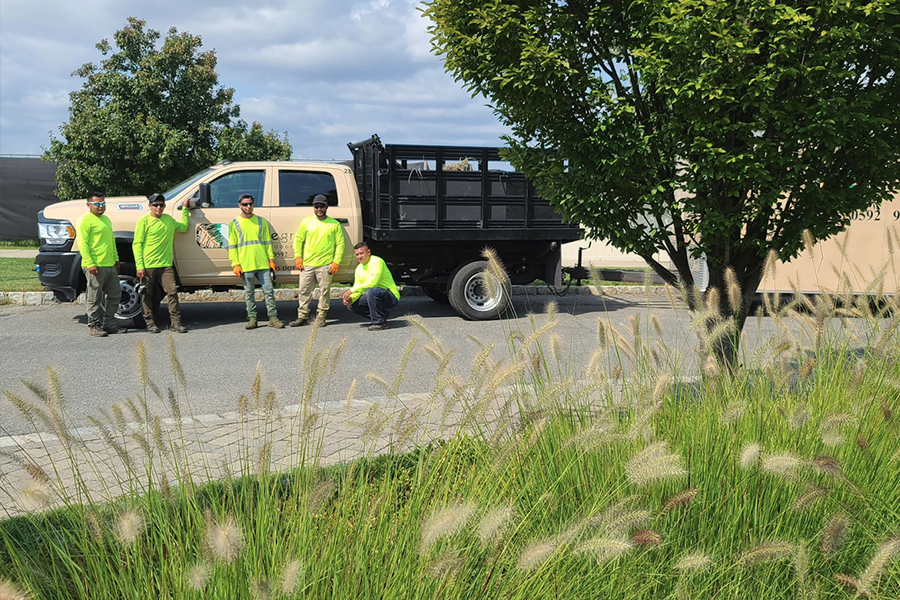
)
(436, 292)
(477, 294)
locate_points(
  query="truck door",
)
(201, 254)
(293, 197)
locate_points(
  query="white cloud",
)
(327, 71)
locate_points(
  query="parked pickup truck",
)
(428, 211)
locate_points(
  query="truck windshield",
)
(186, 184)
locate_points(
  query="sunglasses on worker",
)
(98, 203)
(158, 204)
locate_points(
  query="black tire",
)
(436, 292)
(129, 315)
(476, 294)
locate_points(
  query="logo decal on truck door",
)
(212, 236)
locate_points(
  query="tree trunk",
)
(732, 305)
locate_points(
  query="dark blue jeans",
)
(375, 303)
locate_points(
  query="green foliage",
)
(146, 118)
(20, 244)
(691, 126)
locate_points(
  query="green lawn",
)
(18, 275)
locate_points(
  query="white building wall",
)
(601, 254)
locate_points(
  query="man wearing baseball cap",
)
(153, 244)
(318, 248)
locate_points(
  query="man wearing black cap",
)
(318, 248)
(153, 257)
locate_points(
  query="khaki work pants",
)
(309, 278)
(163, 277)
(102, 297)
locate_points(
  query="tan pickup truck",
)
(427, 210)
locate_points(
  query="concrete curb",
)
(44, 298)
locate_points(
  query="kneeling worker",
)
(154, 237)
(374, 292)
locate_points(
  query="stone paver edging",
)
(214, 446)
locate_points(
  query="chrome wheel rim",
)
(483, 292)
(130, 304)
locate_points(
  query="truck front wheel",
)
(477, 294)
(130, 315)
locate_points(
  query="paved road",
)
(220, 358)
(12, 253)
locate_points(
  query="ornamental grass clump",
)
(628, 468)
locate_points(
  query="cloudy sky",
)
(326, 71)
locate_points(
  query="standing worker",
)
(252, 259)
(100, 261)
(374, 292)
(153, 247)
(318, 248)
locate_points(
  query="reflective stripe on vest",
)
(243, 242)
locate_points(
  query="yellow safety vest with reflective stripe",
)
(250, 243)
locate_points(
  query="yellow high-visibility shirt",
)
(319, 243)
(153, 239)
(373, 274)
(96, 242)
(250, 243)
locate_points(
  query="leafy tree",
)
(147, 118)
(724, 127)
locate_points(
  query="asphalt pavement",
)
(220, 357)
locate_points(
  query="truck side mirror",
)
(204, 198)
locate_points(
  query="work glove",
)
(238, 271)
(272, 265)
(298, 262)
(334, 268)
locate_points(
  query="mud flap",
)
(553, 268)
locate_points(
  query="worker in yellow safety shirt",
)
(374, 292)
(153, 248)
(252, 259)
(100, 261)
(318, 248)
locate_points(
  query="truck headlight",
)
(55, 233)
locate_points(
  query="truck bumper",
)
(61, 273)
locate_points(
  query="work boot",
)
(251, 323)
(152, 328)
(274, 322)
(177, 327)
(377, 327)
(97, 331)
(320, 321)
(299, 322)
